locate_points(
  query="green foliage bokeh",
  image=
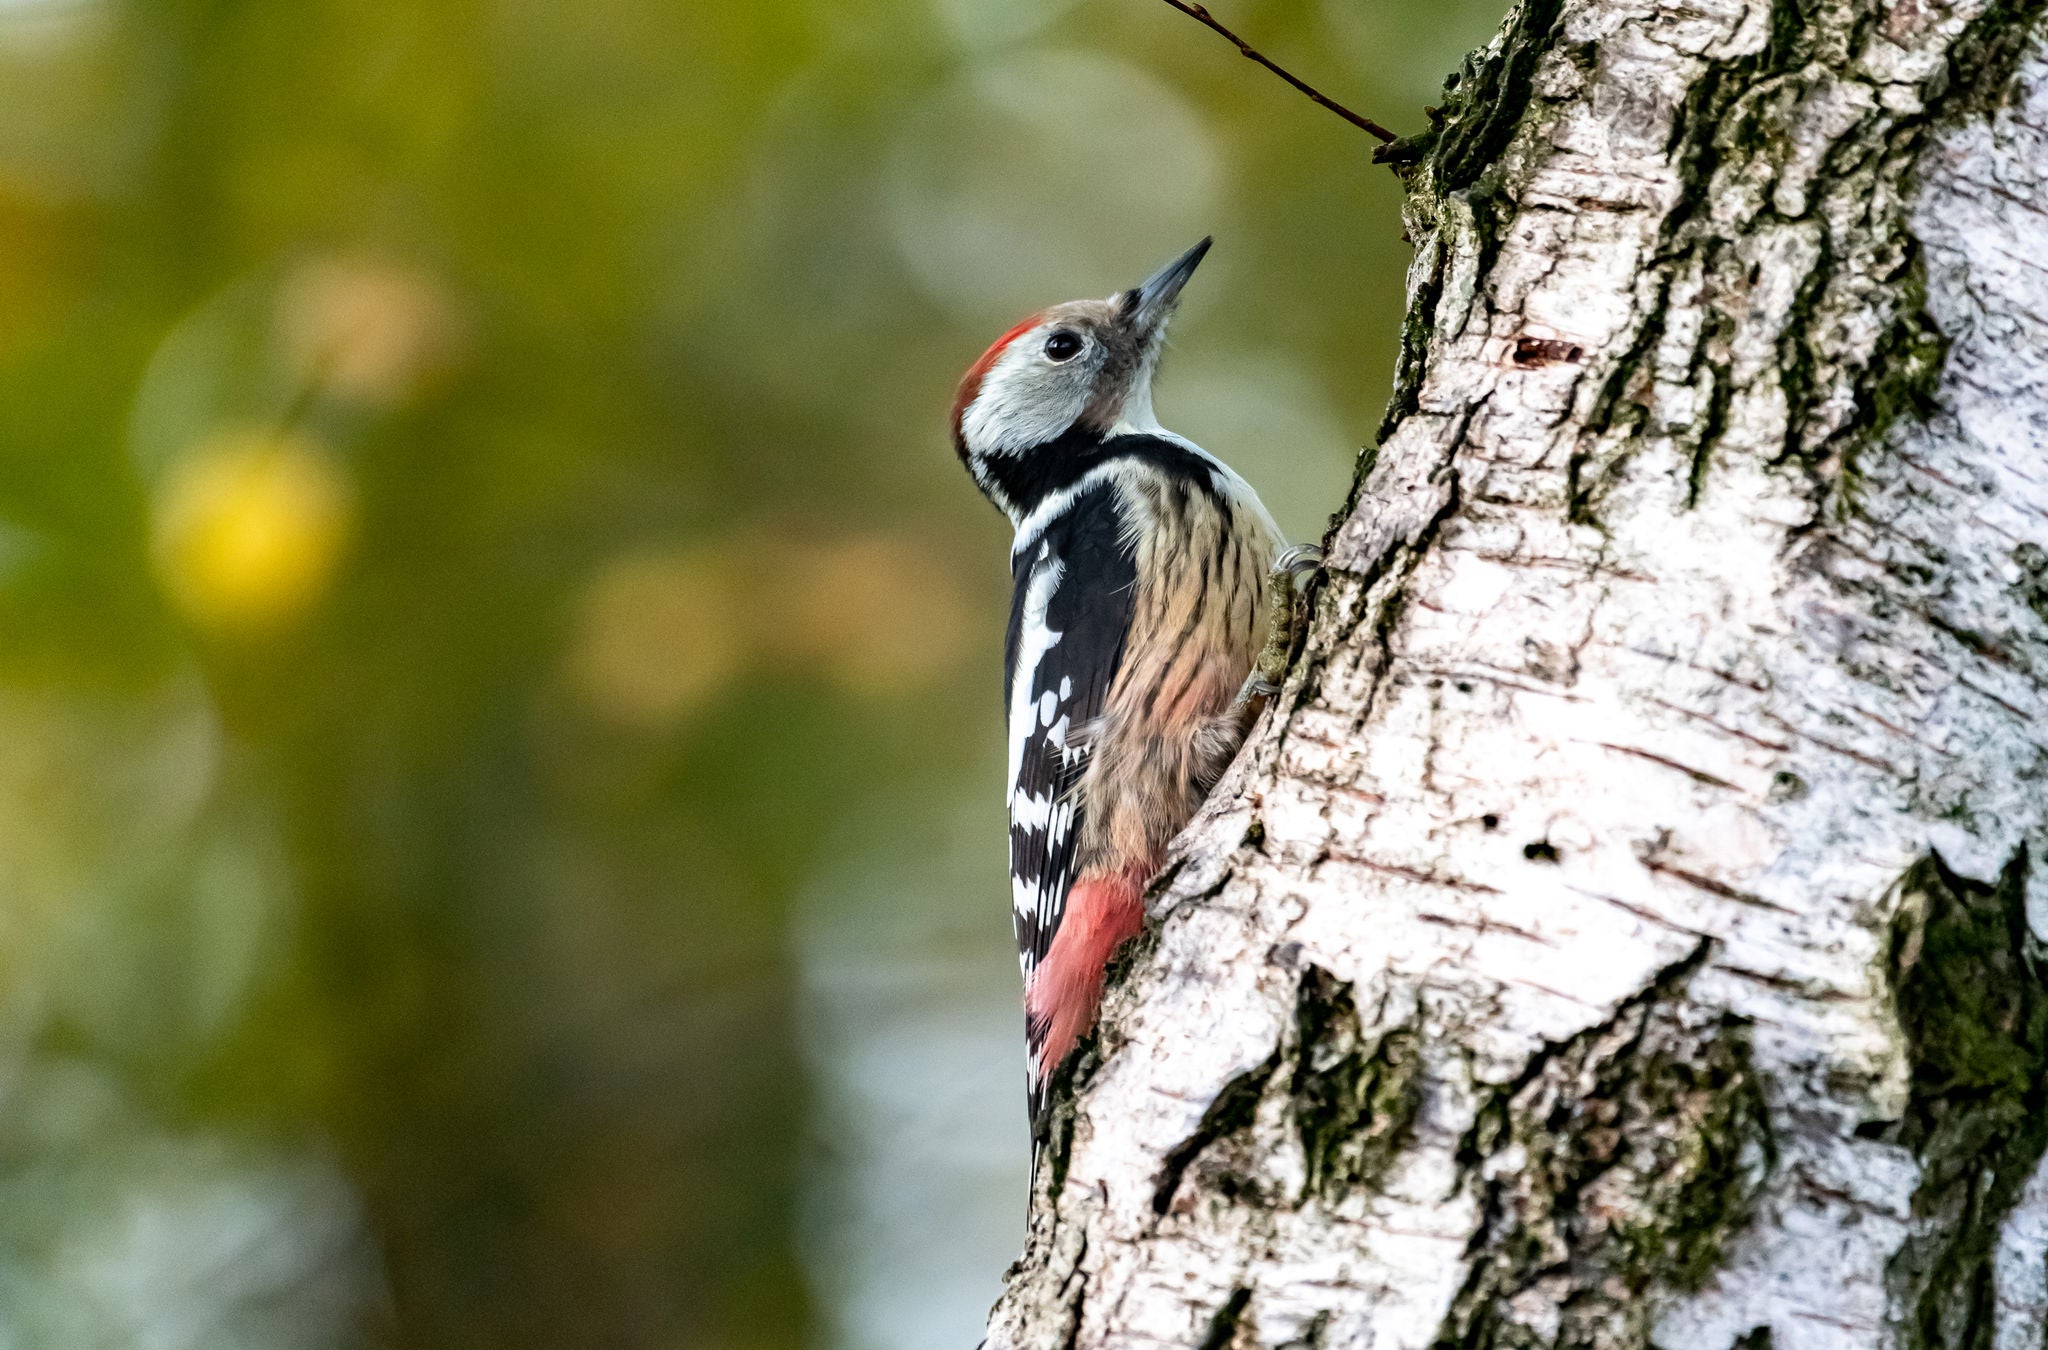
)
(478, 540)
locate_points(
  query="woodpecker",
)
(1143, 568)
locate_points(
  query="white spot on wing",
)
(1024, 899)
(1034, 640)
(1031, 812)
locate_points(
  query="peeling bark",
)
(1619, 933)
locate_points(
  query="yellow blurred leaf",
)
(248, 529)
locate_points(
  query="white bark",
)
(1614, 942)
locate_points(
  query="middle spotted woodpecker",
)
(1144, 569)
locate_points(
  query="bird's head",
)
(1061, 381)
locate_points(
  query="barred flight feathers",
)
(1075, 589)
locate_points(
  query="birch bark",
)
(1619, 935)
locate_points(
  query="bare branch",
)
(1207, 19)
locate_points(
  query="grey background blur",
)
(501, 829)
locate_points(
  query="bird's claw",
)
(1297, 560)
(1283, 622)
(1256, 686)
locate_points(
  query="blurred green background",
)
(500, 803)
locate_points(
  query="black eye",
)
(1062, 345)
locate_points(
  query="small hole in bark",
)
(1540, 851)
(1787, 787)
(1490, 821)
(1464, 686)
(1531, 351)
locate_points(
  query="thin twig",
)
(1203, 16)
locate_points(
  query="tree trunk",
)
(1619, 934)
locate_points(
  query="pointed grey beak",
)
(1148, 306)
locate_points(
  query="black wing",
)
(1072, 610)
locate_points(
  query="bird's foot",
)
(1298, 560)
(1284, 621)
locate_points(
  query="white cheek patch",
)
(1024, 401)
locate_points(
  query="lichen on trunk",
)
(1967, 978)
(1628, 1156)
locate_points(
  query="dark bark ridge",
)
(1735, 138)
(1970, 983)
(1578, 1114)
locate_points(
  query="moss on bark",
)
(1229, 1115)
(1353, 1099)
(1970, 987)
(1657, 1116)
(1223, 1328)
(1350, 1098)
(1464, 156)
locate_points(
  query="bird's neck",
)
(1023, 482)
